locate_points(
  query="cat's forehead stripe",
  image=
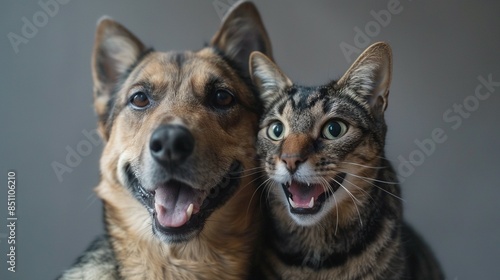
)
(302, 101)
(281, 106)
(303, 98)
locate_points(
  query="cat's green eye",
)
(334, 130)
(276, 131)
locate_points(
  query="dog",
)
(176, 180)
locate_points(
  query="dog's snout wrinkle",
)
(171, 144)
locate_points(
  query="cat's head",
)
(321, 146)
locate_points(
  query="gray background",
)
(439, 48)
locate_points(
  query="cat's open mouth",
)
(307, 198)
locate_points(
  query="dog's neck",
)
(226, 238)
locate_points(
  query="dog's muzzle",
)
(179, 210)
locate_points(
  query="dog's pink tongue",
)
(172, 201)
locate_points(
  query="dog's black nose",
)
(171, 144)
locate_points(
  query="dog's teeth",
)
(292, 203)
(308, 185)
(189, 211)
(311, 203)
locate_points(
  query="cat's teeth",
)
(311, 203)
(292, 203)
(189, 211)
(308, 185)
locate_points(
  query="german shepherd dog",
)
(176, 180)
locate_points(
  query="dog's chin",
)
(309, 203)
(178, 210)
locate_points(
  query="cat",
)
(332, 198)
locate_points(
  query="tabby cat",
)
(334, 205)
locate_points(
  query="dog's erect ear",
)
(241, 33)
(115, 51)
(370, 77)
(267, 77)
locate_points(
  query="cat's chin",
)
(308, 220)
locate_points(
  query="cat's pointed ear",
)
(115, 51)
(241, 33)
(267, 77)
(370, 77)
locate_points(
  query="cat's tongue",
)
(175, 202)
(304, 195)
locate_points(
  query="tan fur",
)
(225, 244)
(296, 148)
(178, 84)
(222, 249)
(297, 144)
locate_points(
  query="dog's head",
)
(179, 126)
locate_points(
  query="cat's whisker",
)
(255, 179)
(382, 189)
(247, 175)
(354, 200)
(261, 185)
(337, 213)
(345, 188)
(386, 158)
(269, 187)
(368, 178)
(253, 171)
(370, 181)
(326, 185)
(254, 192)
(365, 166)
(358, 187)
(255, 168)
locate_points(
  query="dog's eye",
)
(222, 98)
(139, 100)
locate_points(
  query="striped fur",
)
(327, 143)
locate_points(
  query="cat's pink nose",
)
(292, 162)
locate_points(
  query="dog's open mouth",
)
(178, 210)
(306, 198)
